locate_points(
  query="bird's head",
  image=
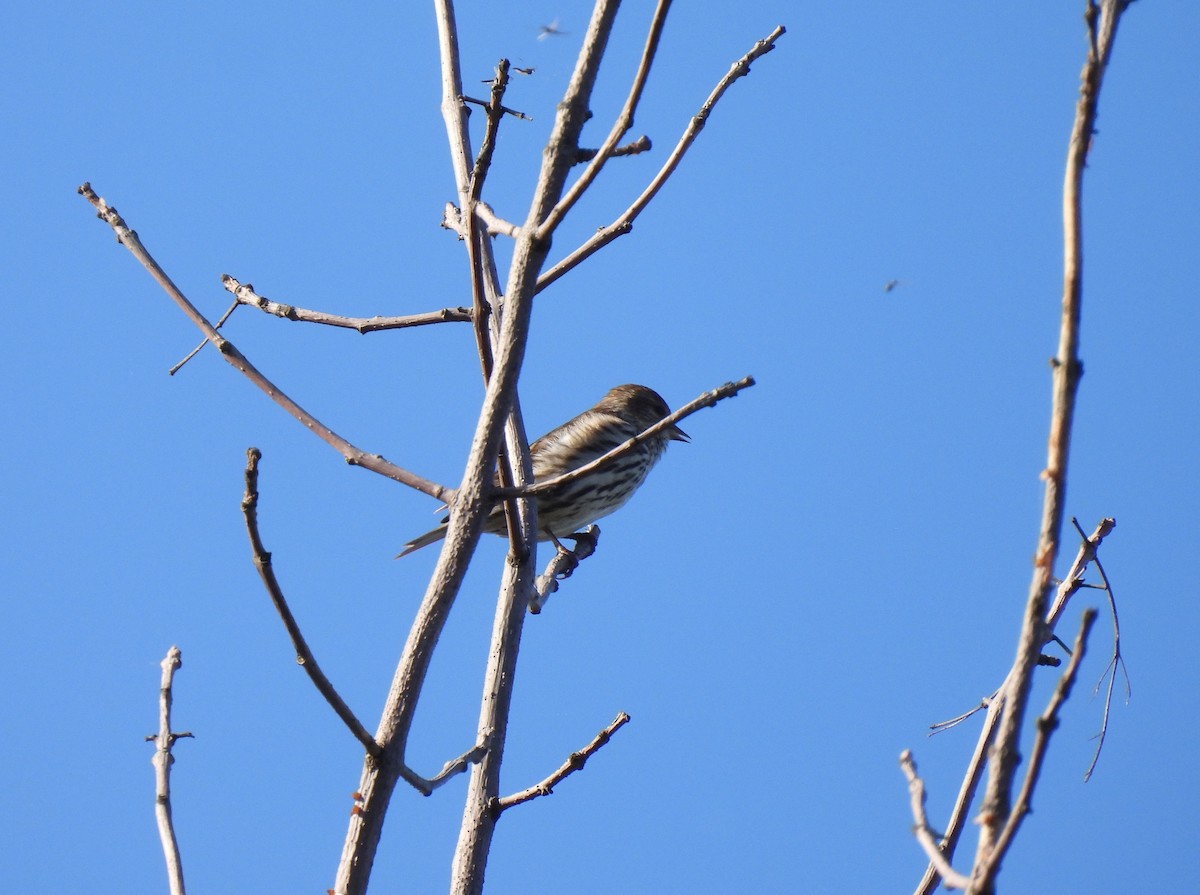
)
(641, 406)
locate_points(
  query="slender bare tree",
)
(498, 470)
(998, 751)
(499, 474)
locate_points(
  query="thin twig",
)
(635, 147)
(575, 761)
(454, 767)
(624, 222)
(353, 455)
(484, 322)
(451, 769)
(494, 111)
(164, 740)
(562, 565)
(513, 462)
(244, 294)
(942, 726)
(1115, 664)
(496, 225)
(486, 326)
(304, 656)
(229, 313)
(966, 795)
(503, 110)
(1073, 582)
(921, 829)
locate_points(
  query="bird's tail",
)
(424, 540)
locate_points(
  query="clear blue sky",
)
(838, 559)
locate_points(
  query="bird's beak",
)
(677, 434)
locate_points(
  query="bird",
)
(625, 411)
(551, 30)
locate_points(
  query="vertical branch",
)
(468, 510)
(481, 259)
(529, 255)
(1046, 725)
(1005, 753)
(163, 759)
(479, 813)
(266, 571)
(454, 112)
(623, 122)
(484, 289)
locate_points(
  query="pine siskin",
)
(624, 412)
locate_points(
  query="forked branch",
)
(1069, 586)
(575, 761)
(624, 223)
(353, 455)
(621, 125)
(984, 873)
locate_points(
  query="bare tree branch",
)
(484, 283)
(221, 322)
(164, 741)
(304, 656)
(575, 761)
(503, 110)
(470, 502)
(244, 294)
(501, 323)
(306, 659)
(1000, 736)
(495, 111)
(1005, 752)
(635, 147)
(921, 829)
(353, 455)
(994, 703)
(529, 255)
(496, 226)
(983, 875)
(514, 463)
(624, 223)
(454, 767)
(454, 112)
(621, 126)
(562, 565)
